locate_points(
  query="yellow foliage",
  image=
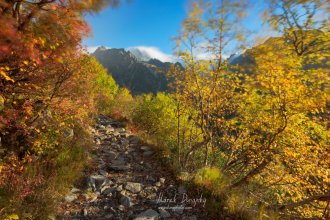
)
(4, 75)
(12, 217)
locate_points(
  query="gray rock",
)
(193, 217)
(106, 190)
(178, 210)
(145, 148)
(75, 190)
(125, 134)
(133, 140)
(148, 165)
(103, 172)
(149, 214)
(109, 129)
(120, 129)
(130, 213)
(158, 184)
(151, 179)
(124, 142)
(119, 188)
(143, 194)
(119, 168)
(103, 137)
(111, 155)
(70, 197)
(181, 189)
(85, 212)
(116, 133)
(149, 189)
(85, 196)
(148, 153)
(98, 141)
(98, 178)
(163, 213)
(152, 196)
(121, 207)
(101, 127)
(93, 198)
(126, 201)
(118, 161)
(95, 181)
(162, 180)
(133, 187)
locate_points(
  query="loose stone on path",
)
(125, 182)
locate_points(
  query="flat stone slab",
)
(119, 168)
(126, 201)
(133, 187)
(145, 148)
(148, 153)
(70, 198)
(118, 162)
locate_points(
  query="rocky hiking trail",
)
(126, 181)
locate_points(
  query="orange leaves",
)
(4, 75)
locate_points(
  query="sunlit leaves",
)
(46, 90)
(267, 129)
(4, 75)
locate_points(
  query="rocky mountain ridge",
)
(135, 74)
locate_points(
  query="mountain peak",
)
(136, 71)
(101, 48)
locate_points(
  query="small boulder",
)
(181, 189)
(163, 213)
(126, 201)
(162, 180)
(133, 187)
(145, 148)
(119, 168)
(106, 190)
(149, 214)
(70, 197)
(119, 188)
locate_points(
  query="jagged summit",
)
(137, 73)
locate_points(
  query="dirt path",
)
(127, 182)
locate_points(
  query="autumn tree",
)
(304, 24)
(205, 84)
(267, 127)
(47, 96)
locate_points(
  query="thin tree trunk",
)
(251, 174)
(324, 197)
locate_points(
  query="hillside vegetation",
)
(49, 92)
(253, 134)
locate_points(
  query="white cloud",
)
(144, 53)
(203, 52)
(148, 52)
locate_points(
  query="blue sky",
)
(138, 23)
(150, 24)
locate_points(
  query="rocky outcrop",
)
(148, 76)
